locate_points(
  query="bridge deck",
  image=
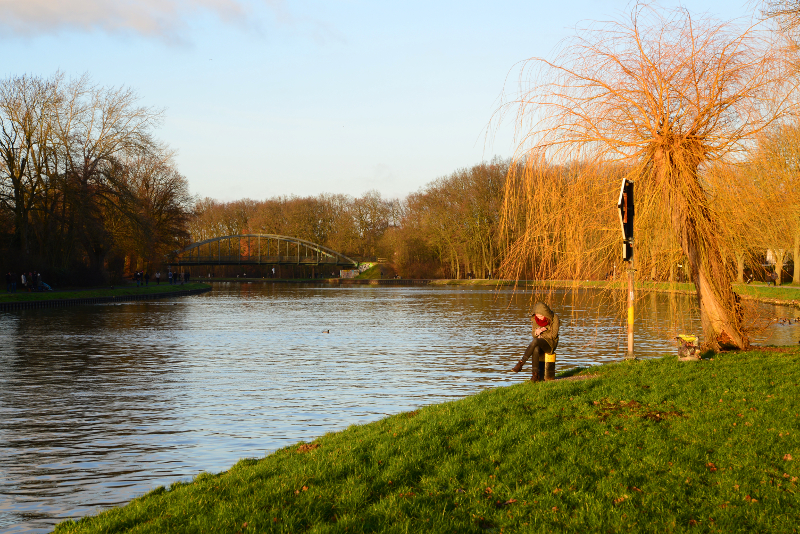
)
(262, 260)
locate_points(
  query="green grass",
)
(762, 291)
(374, 272)
(21, 296)
(645, 446)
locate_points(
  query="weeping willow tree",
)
(786, 13)
(663, 95)
(773, 169)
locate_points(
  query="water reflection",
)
(102, 403)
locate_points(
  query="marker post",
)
(625, 206)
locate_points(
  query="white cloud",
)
(163, 19)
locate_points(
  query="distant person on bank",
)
(545, 340)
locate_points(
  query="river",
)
(100, 404)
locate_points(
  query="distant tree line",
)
(87, 194)
(86, 190)
(447, 229)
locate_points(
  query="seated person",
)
(545, 340)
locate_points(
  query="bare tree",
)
(666, 93)
(27, 110)
(95, 128)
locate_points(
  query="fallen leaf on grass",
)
(306, 447)
(692, 523)
(501, 504)
(787, 457)
(488, 490)
(620, 500)
(711, 467)
(556, 490)
(749, 499)
(634, 488)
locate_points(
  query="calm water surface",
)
(100, 404)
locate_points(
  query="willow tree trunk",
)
(693, 225)
(740, 267)
(780, 259)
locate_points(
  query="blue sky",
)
(266, 98)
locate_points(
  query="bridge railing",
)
(258, 249)
(310, 260)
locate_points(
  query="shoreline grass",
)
(786, 294)
(21, 296)
(643, 446)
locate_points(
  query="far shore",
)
(785, 295)
(101, 292)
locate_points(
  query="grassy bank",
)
(653, 446)
(152, 289)
(379, 271)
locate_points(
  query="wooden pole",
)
(631, 300)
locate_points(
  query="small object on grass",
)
(306, 447)
(688, 348)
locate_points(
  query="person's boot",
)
(517, 368)
(535, 376)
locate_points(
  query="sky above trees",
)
(266, 98)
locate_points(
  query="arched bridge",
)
(258, 249)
